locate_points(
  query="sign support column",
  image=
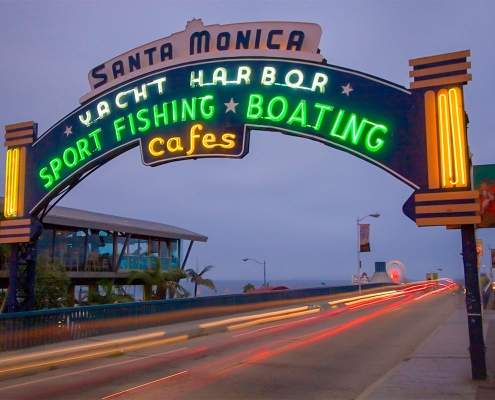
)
(19, 229)
(473, 303)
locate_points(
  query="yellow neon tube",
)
(458, 137)
(432, 139)
(12, 182)
(452, 138)
(443, 125)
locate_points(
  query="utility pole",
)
(473, 302)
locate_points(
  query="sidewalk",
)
(441, 368)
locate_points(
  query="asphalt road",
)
(328, 354)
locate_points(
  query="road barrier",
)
(37, 328)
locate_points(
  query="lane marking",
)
(270, 327)
(89, 370)
(112, 396)
(95, 355)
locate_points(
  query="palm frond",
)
(208, 283)
(191, 273)
(206, 269)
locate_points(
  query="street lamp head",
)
(244, 259)
(375, 215)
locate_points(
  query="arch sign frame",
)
(199, 92)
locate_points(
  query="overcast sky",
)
(290, 202)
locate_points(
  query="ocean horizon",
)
(236, 286)
(231, 286)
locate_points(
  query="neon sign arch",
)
(199, 93)
(207, 109)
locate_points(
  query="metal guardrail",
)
(37, 328)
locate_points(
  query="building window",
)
(45, 244)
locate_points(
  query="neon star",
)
(231, 105)
(347, 89)
(68, 130)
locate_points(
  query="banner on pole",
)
(479, 247)
(364, 238)
(493, 258)
(484, 182)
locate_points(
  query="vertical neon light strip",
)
(458, 136)
(432, 140)
(444, 127)
(452, 138)
(12, 182)
(21, 182)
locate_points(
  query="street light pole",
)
(260, 263)
(264, 273)
(376, 215)
(490, 264)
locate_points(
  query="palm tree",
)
(247, 287)
(109, 296)
(199, 280)
(166, 282)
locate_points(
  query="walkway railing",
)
(36, 328)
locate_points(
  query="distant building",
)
(267, 289)
(381, 275)
(93, 246)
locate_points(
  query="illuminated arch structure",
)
(396, 271)
(200, 92)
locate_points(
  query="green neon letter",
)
(378, 142)
(157, 115)
(174, 110)
(130, 117)
(189, 109)
(299, 115)
(95, 137)
(75, 157)
(351, 124)
(82, 147)
(56, 165)
(141, 118)
(323, 108)
(118, 128)
(48, 177)
(282, 113)
(336, 124)
(255, 102)
(211, 109)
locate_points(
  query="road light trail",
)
(220, 368)
(144, 385)
(90, 370)
(226, 365)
